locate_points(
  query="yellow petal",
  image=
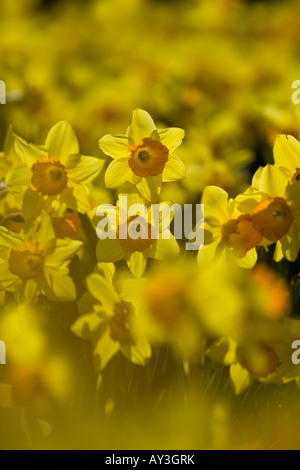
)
(140, 353)
(171, 138)
(164, 248)
(240, 378)
(102, 290)
(141, 125)
(249, 261)
(273, 182)
(174, 169)
(76, 198)
(83, 169)
(287, 153)
(107, 270)
(216, 203)
(150, 187)
(46, 231)
(86, 326)
(62, 141)
(208, 253)
(137, 264)
(29, 153)
(115, 146)
(9, 239)
(278, 254)
(291, 243)
(109, 251)
(57, 285)
(19, 176)
(105, 349)
(63, 252)
(117, 173)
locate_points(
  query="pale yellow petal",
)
(174, 169)
(62, 141)
(215, 201)
(115, 146)
(117, 173)
(240, 378)
(141, 125)
(137, 264)
(287, 153)
(102, 290)
(171, 138)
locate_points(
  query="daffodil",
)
(249, 359)
(275, 204)
(287, 156)
(171, 307)
(227, 231)
(251, 347)
(135, 237)
(110, 322)
(144, 156)
(263, 354)
(37, 377)
(56, 171)
(184, 305)
(33, 263)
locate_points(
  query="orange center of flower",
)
(273, 292)
(296, 176)
(148, 158)
(140, 226)
(67, 227)
(272, 218)
(120, 323)
(27, 260)
(49, 177)
(240, 235)
(168, 301)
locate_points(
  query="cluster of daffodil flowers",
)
(102, 334)
(205, 310)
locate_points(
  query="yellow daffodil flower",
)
(136, 251)
(275, 204)
(33, 263)
(57, 171)
(227, 231)
(252, 348)
(287, 156)
(144, 156)
(110, 322)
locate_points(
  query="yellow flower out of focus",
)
(33, 263)
(275, 204)
(110, 322)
